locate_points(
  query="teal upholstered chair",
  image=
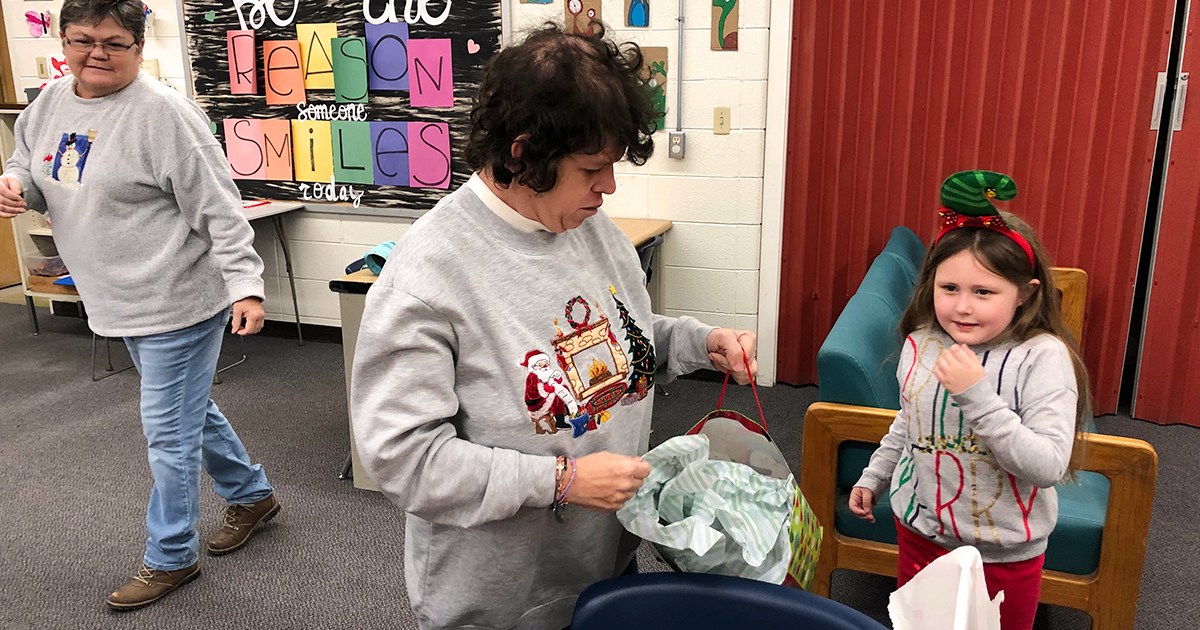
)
(1094, 557)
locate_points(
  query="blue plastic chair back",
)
(698, 601)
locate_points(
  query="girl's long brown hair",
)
(1041, 313)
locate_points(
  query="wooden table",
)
(639, 231)
(352, 289)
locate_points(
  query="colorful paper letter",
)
(282, 74)
(243, 148)
(352, 153)
(315, 54)
(277, 149)
(430, 157)
(431, 70)
(312, 148)
(387, 56)
(389, 144)
(350, 69)
(243, 71)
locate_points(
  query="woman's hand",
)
(12, 200)
(958, 368)
(248, 316)
(605, 481)
(862, 502)
(726, 348)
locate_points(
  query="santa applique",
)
(547, 395)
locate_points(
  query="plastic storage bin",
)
(44, 265)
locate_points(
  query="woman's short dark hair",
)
(559, 94)
(130, 14)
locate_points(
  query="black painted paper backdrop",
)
(468, 19)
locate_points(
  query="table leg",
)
(287, 263)
(32, 314)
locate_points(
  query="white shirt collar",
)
(501, 209)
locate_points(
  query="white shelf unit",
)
(32, 236)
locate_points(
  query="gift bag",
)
(949, 593)
(722, 499)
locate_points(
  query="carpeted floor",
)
(76, 479)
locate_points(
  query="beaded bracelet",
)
(560, 487)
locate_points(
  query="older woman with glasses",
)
(150, 224)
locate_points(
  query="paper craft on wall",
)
(350, 70)
(578, 15)
(724, 24)
(654, 69)
(429, 81)
(637, 13)
(317, 60)
(246, 159)
(243, 68)
(387, 47)
(283, 76)
(38, 22)
(315, 102)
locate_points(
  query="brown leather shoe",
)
(241, 522)
(149, 586)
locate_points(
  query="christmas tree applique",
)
(641, 370)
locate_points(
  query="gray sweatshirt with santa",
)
(979, 467)
(484, 352)
(144, 212)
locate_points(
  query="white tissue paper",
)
(949, 594)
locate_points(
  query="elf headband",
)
(966, 202)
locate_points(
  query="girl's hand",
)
(605, 481)
(958, 369)
(862, 502)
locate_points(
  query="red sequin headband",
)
(952, 220)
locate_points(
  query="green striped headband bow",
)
(967, 202)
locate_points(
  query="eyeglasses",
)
(109, 48)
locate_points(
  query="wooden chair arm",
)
(1130, 465)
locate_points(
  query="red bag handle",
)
(762, 419)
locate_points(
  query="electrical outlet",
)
(721, 121)
(676, 145)
(43, 68)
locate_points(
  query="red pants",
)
(1020, 581)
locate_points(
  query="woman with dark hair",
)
(503, 379)
(150, 224)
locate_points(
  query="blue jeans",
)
(184, 430)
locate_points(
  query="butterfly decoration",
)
(38, 22)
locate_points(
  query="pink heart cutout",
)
(472, 47)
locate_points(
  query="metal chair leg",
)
(108, 360)
(347, 468)
(217, 374)
(32, 314)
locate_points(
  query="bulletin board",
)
(383, 110)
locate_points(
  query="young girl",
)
(992, 396)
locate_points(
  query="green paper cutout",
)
(210, 16)
(350, 70)
(352, 150)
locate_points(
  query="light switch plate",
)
(43, 68)
(150, 66)
(721, 121)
